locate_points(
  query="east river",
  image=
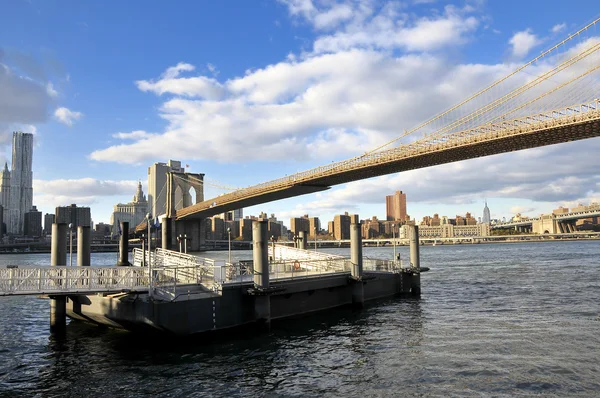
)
(493, 320)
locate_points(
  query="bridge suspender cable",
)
(496, 83)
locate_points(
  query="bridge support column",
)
(302, 240)
(84, 256)
(167, 233)
(415, 260)
(356, 258)
(124, 245)
(58, 257)
(260, 257)
(195, 230)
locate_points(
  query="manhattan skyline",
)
(102, 109)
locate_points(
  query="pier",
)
(184, 294)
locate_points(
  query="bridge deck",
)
(572, 123)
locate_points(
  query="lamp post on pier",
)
(149, 218)
(229, 242)
(315, 238)
(70, 244)
(394, 239)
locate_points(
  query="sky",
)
(250, 91)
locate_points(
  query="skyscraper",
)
(21, 181)
(5, 195)
(486, 214)
(395, 207)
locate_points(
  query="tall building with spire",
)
(21, 182)
(133, 212)
(486, 219)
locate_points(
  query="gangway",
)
(62, 280)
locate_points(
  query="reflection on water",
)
(495, 320)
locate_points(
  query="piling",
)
(260, 256)
(58, 257)
(356, 258)
(413, 237)
(167, 234)
(415, 261)
(303, 240)
(124, 245)
(83, 246)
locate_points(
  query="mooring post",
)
(58, 257)
(356, 258)
(83, 246)
(167, 234)
(260, 256)
(124, 245)
(303, 237)
(415, 261)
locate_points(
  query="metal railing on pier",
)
(62, 280)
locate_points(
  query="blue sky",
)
(248, 91)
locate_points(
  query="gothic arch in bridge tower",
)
(183, 190)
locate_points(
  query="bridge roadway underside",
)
(443, 155)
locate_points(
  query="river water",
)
(493, 320)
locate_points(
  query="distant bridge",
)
(564, 217)
(525, 109)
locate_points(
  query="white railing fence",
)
(61, 280)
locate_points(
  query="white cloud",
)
(134, 135)
(67, 116)
(522, 43)
(334, 16)
(51, 91)
(83, 191)
(169, 82)
(558, 28)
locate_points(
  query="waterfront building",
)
(341, 226)
(33, 223)
(330, 227)
(314, 226)
(49, 219)
(218, 228)
(133, 212)
(73, 214)
(21, 182)
(298, 224)
(486, 214)
(371, 228)
(275, 227)
(449, 231)
(246, 228)
(234, 228)
(233, 215)
(395, 207)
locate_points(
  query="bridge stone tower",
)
(179, 186)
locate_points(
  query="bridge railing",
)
(62, 280)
